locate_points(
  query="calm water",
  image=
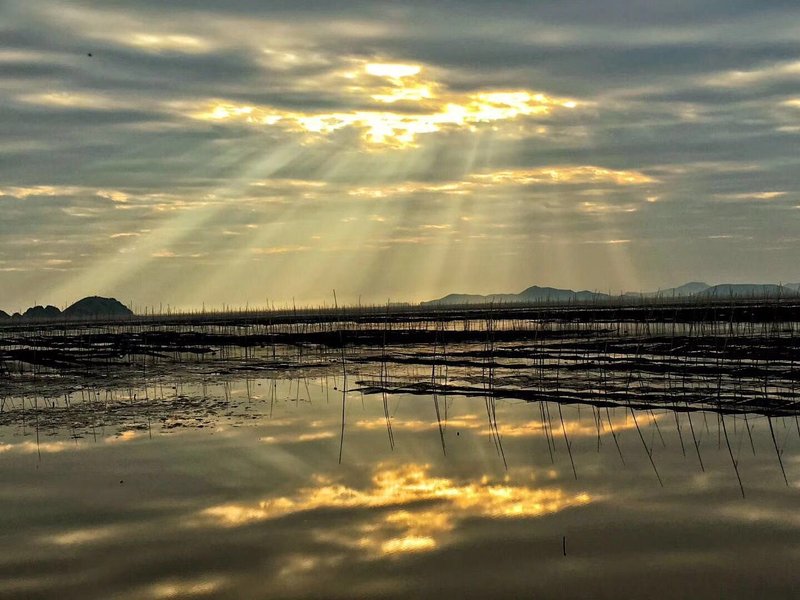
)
(256, 503)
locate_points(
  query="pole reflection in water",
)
(468, 498)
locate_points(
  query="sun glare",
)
(393, 71)
(424, 106)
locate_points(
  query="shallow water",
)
(483, 502)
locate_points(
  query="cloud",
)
(279, 250)
(508, 180)
(536, 133)
(398, 104)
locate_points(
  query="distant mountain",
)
(95, 306)
(693, 289)
(687, 289)
(462, 299)
(42, 313)
(682, 291)
(533, 294)
(88, 308)
(549, 294)
(747, 290)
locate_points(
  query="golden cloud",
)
(564, 174)
(279, 250)
(167, 42)
(751, 196)
(74, 100)
(482, 182)
(401, 104)
(23, 192)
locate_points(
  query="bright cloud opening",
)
(427, 107)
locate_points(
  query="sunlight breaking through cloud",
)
(23, 192)
(566, 175)
(421, 106)
(127, 135)
(481, 182)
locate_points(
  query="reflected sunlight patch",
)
(184, 588)
(77, 537)
(40, 448)
(417, 425)
(574, 428)
(399, 104)
(56, 447)
(291, 438)
(419, 507)
(127, 436)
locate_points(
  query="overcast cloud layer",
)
(242, 152)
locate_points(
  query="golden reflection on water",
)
(401, 521)
(291, 438)
(465, 422)
(29, 447)
(420, 507)
(56, 447)
(88, 535)
(574, 427)
(182, 589)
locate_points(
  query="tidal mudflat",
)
(387, 457)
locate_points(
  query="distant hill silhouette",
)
(747, 290)
(95, 306)
(694, 289)
(42, 313)
(533, 294)
(682, 291)
(544, 294)
(88, 308)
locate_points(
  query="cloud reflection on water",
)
(416, 508)
(260, 506)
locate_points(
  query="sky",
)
(251, 153)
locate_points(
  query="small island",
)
(92, 307)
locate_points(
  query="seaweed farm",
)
(575, 450)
